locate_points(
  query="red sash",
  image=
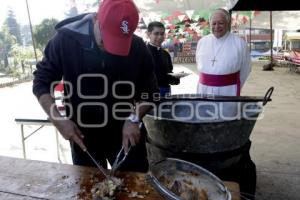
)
(221, 80)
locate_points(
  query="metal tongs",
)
(121, 157)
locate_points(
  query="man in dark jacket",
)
(162, 60)
(106, 70)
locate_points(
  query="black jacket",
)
(72, 55)
(162, 65)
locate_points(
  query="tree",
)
(84, 5)
(6, 42)
(73, 11)
(44, 31)
(26, 35)
(13, 26)
(23, 55)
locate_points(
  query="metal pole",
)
(271, 27)
(23, 141)
(188, 5)
(250, 34)
(33, 43)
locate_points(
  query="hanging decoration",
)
(192, 24)
(189, 13)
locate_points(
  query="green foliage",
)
(44, 31)
(13, 72)
(6, 39)
(6, 42)
(20, 58)
(20, 53)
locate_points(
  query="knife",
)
(103, 171)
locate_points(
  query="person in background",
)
(224, 64)
(223, 59)
(162, 59)
(105, 67)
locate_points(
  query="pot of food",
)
(177, 179)
(202, 126)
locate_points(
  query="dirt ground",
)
(275, 138)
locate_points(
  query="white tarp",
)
(277, 41)
(163, 6)
(285, 20)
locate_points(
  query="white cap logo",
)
(124, 27)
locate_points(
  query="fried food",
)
(106, 189)
(183, 186)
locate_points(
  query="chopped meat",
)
(136, 195)
(184, 188)
(106, 189)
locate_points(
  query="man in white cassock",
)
(223, 59)
(223, 62)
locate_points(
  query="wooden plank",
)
(28, 179)
(44, 180)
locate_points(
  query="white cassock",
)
(224, 65)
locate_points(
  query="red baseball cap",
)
(118, 20)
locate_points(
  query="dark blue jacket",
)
(73, 52)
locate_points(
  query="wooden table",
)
(28, 179)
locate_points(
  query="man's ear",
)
(148, 34)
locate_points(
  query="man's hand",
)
(131, 134)
(69, 130)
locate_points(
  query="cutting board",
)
(28, 179)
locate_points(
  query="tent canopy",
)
(292, 36)
(170, 6)
(285, 15)
(266, 5)
(234, 5)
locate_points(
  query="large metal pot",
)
(184, 126)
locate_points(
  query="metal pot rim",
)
(172, 196)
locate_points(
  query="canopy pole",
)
(271, 28)
(32, 37)
(250, 34)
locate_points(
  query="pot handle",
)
(267, 96)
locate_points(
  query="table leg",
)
(57, 145)
(23, 141)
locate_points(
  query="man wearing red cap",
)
(106, 70)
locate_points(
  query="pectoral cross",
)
(213, 61)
